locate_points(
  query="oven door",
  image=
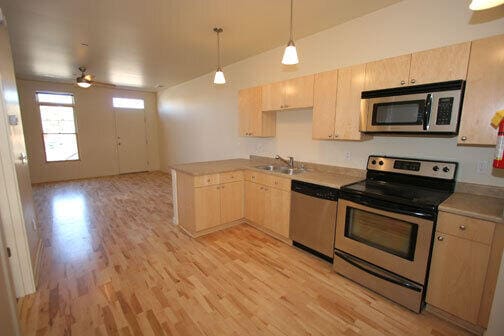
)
(395, 242)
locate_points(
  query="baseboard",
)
(211, 230)
(268, 232)
(476, 330)
(38, 262)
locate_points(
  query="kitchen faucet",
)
(289, 163)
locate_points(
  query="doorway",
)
(131, 140)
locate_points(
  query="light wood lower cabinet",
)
(202, 207)
(268, 206)
(457, 276)
(464, 267)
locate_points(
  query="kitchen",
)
(352, 192)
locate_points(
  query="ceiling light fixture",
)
(83, 81)
(290, 56)
(219, 74)
(477, 5)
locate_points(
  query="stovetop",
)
(405, 184)
(400, 193)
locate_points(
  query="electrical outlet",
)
(483, 167)
(348, 156)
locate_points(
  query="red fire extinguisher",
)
(498, 119)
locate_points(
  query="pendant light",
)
(290, 54)
(219, 74)
(477, 5)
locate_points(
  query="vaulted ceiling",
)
(144, 43)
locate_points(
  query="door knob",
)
(462, 227)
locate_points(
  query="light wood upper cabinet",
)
(290, 94)
(337, 103)
(348, 103)
(457, 276)
(231, 201)
(387, 73)
(299, 92)
(273, 96)
(252, 120)
(484, 92)
(440, 65)
(207, 207)
(324, 104)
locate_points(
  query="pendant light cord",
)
(218, 31)
(292, 5)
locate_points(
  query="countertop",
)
(476, 206)
(329, 179)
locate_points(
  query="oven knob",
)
(446, 169)
(435, 168)
(381, 163)
(373, 162)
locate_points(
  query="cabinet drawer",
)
(256, 177)
(206, 180)
(277, 182)
(234, 176)
(466, 227)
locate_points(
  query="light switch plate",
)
(13, 120)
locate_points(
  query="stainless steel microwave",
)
(428, 108)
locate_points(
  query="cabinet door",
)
(273, 96)
(207, 207)
(457, 276)
(387, 73)
(484, 92)
(254, 202)
(440, 65)
(231, 201)
(299, 92)
(324, 104)
(348, 102)
(277, 211)
(249, 100)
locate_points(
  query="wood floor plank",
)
(114, 264)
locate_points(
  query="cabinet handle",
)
(463, 138)
(462, 227)
(336, 135)
(208, 180)
(330, 136)
(222, 187)
(281, 106)
(251, 133)
(413, 81)
(261, 188)
(403, 82)
(440, 238)
(218, 187)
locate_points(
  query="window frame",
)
(38, 103)
(128, 108)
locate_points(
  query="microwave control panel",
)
(444, 111)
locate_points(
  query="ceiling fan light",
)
(290, 56)
(477, 5)
(83, 82)
(219, 77)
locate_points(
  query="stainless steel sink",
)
(266, 167)
(282, 170)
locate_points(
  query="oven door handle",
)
(427, 112)
(377, 272)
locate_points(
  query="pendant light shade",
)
(477, 5)
(219, 77)
(290, 56)
(219, 74)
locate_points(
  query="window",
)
(58, 126)
(128, 103)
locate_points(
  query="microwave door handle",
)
(427, 112)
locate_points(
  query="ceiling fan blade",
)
(103, 84)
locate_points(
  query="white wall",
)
(199, 120)
(96, 131)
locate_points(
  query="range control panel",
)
(427, 168)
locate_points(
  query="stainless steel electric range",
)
(385, 225)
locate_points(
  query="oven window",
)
(399, 113)
(385, 233)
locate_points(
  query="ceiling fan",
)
(86, 80)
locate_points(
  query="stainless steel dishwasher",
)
(313, 218)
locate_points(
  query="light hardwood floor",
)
(115, 265)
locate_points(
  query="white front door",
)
(131, 140)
